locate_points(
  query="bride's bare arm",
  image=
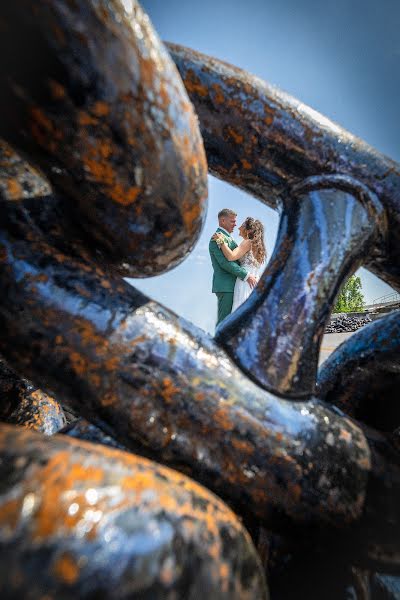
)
(237, 252)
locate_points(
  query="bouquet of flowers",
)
(219, 238)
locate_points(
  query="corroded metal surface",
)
(40, 412)
(100, 83)
(101, 111)
(152, 376)
(362, 376)
(22, 403)
(94, 522)
(48, 212)
(18, 179)
(158, 381)
(12, 390)
(83, 430)
(385, 587)
(265, 141)
(277, 145)
(275, 336)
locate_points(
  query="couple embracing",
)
(236, 268)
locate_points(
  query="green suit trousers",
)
(225, 301)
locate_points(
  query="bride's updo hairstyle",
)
(255, 232)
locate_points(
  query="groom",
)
(225, 271)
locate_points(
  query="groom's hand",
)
(252, 281)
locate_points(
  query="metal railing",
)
(387, 299)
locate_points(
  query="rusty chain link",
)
(103, 175)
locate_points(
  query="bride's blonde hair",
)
(255, 233)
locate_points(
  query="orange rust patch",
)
(124, 197)
(147, 72)
(268, 119)
(43, 130)
(345, 435)
(164, 95)
(41, 278)
(190, 215)
(94, 379)
(102, 172)
(57, 90)
(83, 473)
(194, 85)
(9, 513)
(41, 119)
(224, 571)
(137, 340)
(38, 395)
(78, 363)
(14, 189)
(186, 142)
(85, 119)
(220, 417)
(168, 390)
(54, 479)
(101, 109)
(237, 137)
(245, 163)
(104, 148)
(58, 479)
(111, 364)
(260, 497)
(97, 164)
(219, 97)
(66, 568)
(108, 399)
(242, 445)
(82, 291)
(208, 518)
(247, 87)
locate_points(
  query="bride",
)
(250, 253)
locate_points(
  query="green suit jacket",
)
(225, 271)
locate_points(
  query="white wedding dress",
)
(242, 289)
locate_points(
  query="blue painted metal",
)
(362, 376)
(275, 336)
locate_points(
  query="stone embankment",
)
(343, 323)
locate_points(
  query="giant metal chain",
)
(92, 100)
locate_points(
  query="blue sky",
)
(341, 57)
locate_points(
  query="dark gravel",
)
(344, 323)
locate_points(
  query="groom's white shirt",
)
(224, 230)
(229, 235)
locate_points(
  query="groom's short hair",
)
(226, 212)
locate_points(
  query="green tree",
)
(351, 298)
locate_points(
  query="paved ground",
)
(330, 341)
